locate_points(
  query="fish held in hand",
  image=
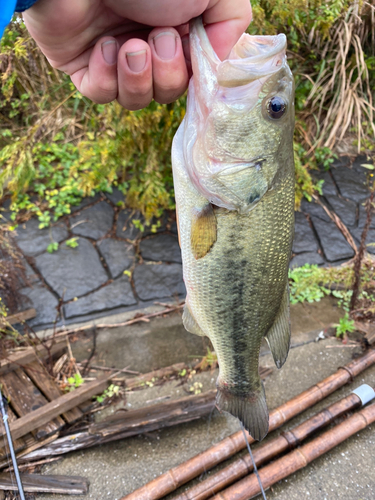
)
(233, 172)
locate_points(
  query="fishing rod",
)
(11, 449)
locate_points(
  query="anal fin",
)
(203, 231)
(278, 336)
(190, 323)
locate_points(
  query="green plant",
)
(110, 392)
(75, 381)
(196, 388)
(325, 156)
(72, 243)
(53, 247)
(56, 146)
(138, 224)
(345, 325)
(209, 361)
(311, 283)
(305, 284)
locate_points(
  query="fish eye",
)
(276, 107)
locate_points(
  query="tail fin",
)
(252, 410)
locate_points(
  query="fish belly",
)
(235, 292)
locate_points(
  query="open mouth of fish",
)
(226, 91)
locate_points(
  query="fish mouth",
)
(252, 58)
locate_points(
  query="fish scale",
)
(236, 252)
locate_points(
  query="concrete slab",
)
(118, 468)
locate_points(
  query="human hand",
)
(131, 50)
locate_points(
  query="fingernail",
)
(165, 45)
(136, 60)
(109, 50)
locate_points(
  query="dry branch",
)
(339, 224)
(125, 323)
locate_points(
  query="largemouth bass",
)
(233, 172)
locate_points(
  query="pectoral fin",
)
(190, 323)
(203, 231)
(278, 337)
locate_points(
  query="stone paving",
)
(117, 267)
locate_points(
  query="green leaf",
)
(52, 247)
(72, 243)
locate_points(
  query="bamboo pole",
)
(181, 474)
(266, 452)
(270, 474)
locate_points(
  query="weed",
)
(53, 247)
(75, 381)
(112, 391)
(345, 325)
(209, 361)
(311, 283)
(196, 388)
(72, 243)
(325, 157)
(138, 224)
(305, 284)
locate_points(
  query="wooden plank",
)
(49, 388)
(21, 358)
(131, 423)
(18, 444)
(19, 317)
(44, 414)
(166, 414)
(31, 445)
(25, 398)
(36, 483)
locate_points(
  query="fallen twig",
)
(107, 369)
(125, 323)
(339, 224)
